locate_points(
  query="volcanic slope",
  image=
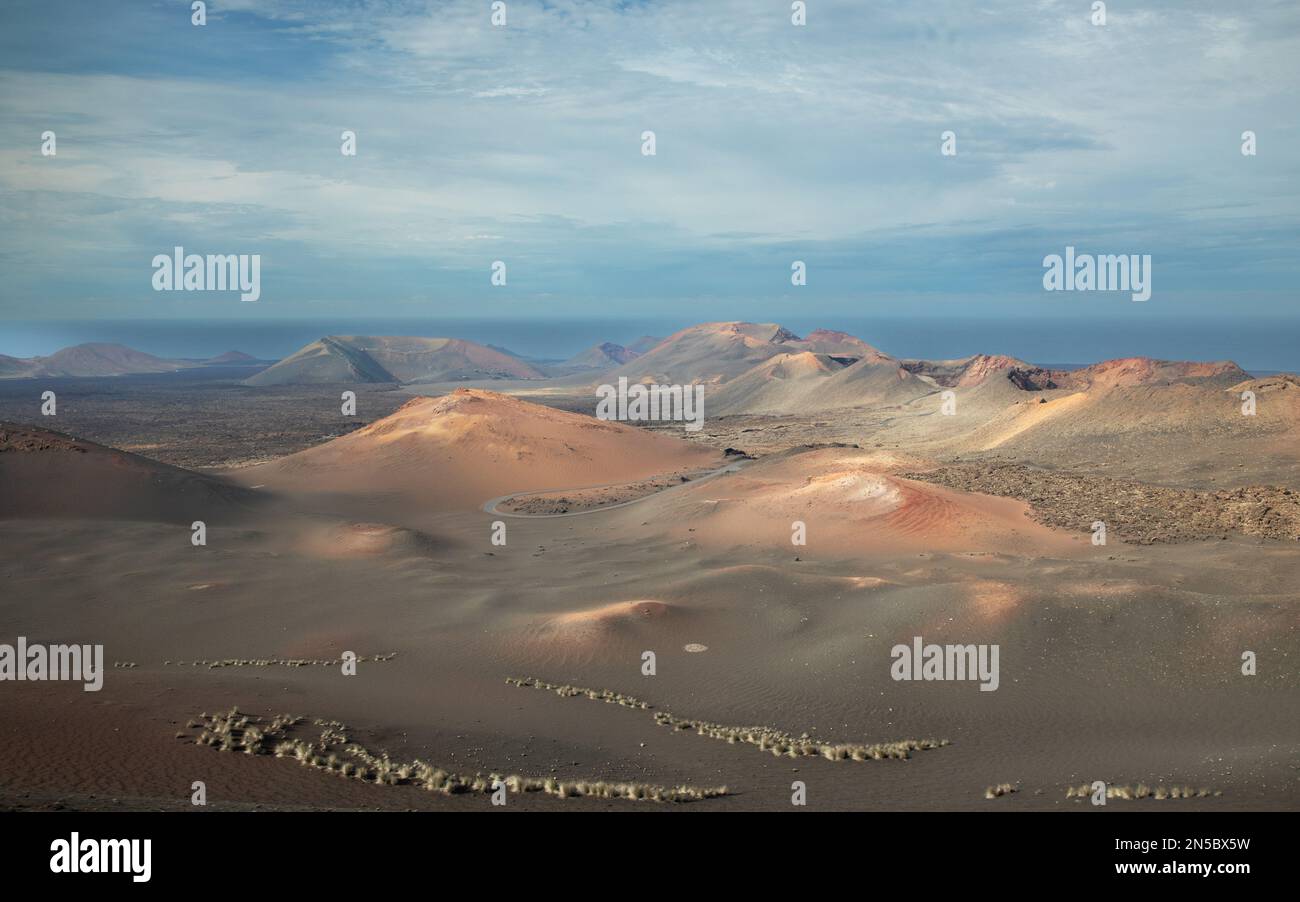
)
(851, 503)
(1116, 399)
(459, 450)
(46, 474)
(807, 381)
(1179, 423)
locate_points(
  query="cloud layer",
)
(523, 144)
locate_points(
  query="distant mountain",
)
(709, 353)
(231, 357)
(98, 359)
(601, 357)
(104, 360)
(92, 359)
(715, 353)
(363, 358)
(838, 344)
(16, 367)
(1131, 371)
(324, 361)
(763, 368)
(804, 381)
(967, 371)
(1127, 371)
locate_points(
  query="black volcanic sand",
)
(1122, 664)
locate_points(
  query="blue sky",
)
(775, 143)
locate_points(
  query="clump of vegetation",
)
(567, 691)
(282, 662)
(781, 743)
(334, 751)
(778, 742)
(1143, 791)
(1001, 789)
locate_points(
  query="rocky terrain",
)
(1133, 512)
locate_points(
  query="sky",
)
(774, 143)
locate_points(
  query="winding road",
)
(491, 505)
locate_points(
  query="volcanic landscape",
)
(473, 581)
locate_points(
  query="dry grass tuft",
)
(280, 662)
(776, 741)
(566, 691)
(334, 751)
(1143, 791)
(1002, 789)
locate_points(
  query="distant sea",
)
(1258, 345)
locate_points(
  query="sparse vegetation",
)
(1001, 789)
(778, 742)
(280, 662)
(567, 691)
(1134, 512)
(1142, 791)
(333, 750)
(194, 427)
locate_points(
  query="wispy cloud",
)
(522, 143)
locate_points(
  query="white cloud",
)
(530, 135)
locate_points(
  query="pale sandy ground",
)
(1118, 663)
